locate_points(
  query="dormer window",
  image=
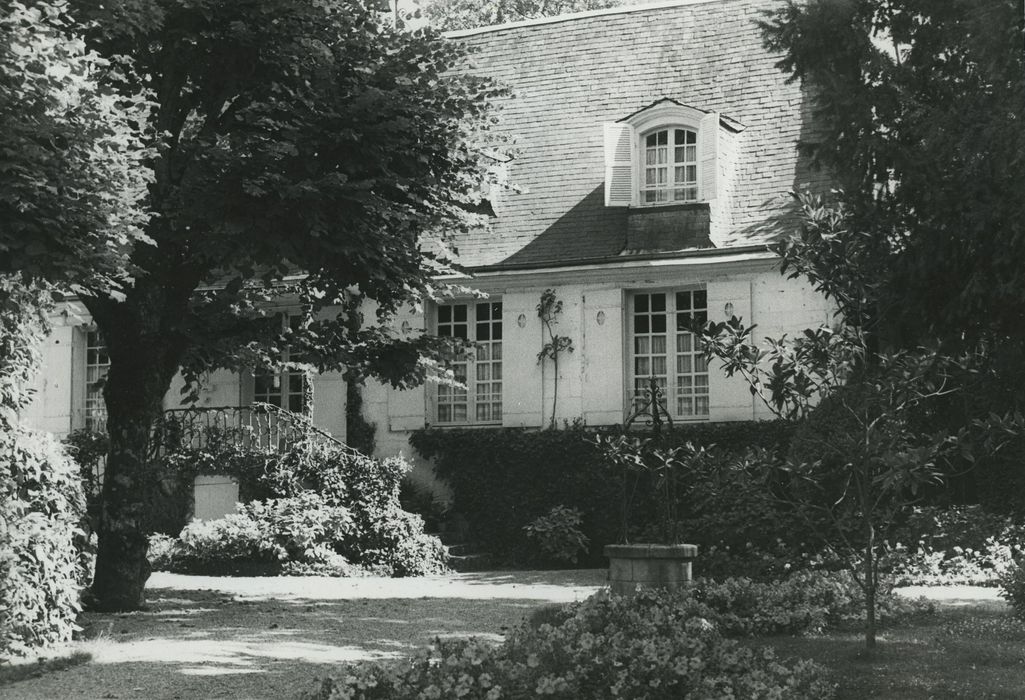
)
(665, 154)
(670, 167)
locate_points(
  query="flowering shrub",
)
(41, 569)
(558, 535)
(290, 522)
(646, 646)
(804, 602)
(274, 536)
(1012, 588)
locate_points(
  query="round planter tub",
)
(640, 566)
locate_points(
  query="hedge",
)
(504, 478)
(41, 568)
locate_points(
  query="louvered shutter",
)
(708, 135)
(619, 164)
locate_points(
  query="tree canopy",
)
(309, 156)
(72, 153)
(920, 108)
(448, 15)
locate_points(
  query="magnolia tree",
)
(861, 456)
(307, 155)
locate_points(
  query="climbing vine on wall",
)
(548, 310)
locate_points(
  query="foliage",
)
(269, 537)
(376, 534)
(548, 310)
(41, 504)
(417, 497)
(74, 178)
(651, 461)
(557, 534)
(89, 448)
(606, 647)
(466, 14)
(955, 545)
(1012, 588)
(287, 136)
(918, 107)
(502, 479)
(803, 602)
(23, 324)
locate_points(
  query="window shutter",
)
(619, 164)
(708, 135)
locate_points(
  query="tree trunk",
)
(143, 362)
(870, 587)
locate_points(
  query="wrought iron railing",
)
(259, 426)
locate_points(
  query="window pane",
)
(641, 302)
(658, 302)
(651, 140)
(641, 324)
(701, 406)
(658, 323)
(700, 299)
(663, 137)
(444, 314)
(483, 331)
(459, 330)
(459, 312)
(690, 154)
(692, 137)
(683, 301)
(650, 177)
(658, 344)
(642, 367)
(483, 372)
(642, 345)
(683, 364)
(658, 365)
(692, 173)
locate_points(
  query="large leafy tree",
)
(920, 106)
(71, 152)
(71, 179)
(468, 14)
(308, 154)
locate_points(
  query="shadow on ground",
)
(205, 637)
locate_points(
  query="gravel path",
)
(211, 637)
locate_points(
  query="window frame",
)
(282, 376)
(445, 325)
(671, 166)
(94, 405)
(698, 372)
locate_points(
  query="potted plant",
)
(665, 562)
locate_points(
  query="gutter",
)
(702, 256)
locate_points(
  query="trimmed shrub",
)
(606, 647)
(41, 569)
(503, 479)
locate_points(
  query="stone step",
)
(459, 549)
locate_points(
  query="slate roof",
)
(569, 75)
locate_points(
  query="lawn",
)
(968, 649)
(207, 637)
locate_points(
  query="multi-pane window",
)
(670, 166)
(663, 348)
(283, 387)
(480, 372)
(97, 364)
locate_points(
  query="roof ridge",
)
(623, 9)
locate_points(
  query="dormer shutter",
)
(619, 164)
(708, 135)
